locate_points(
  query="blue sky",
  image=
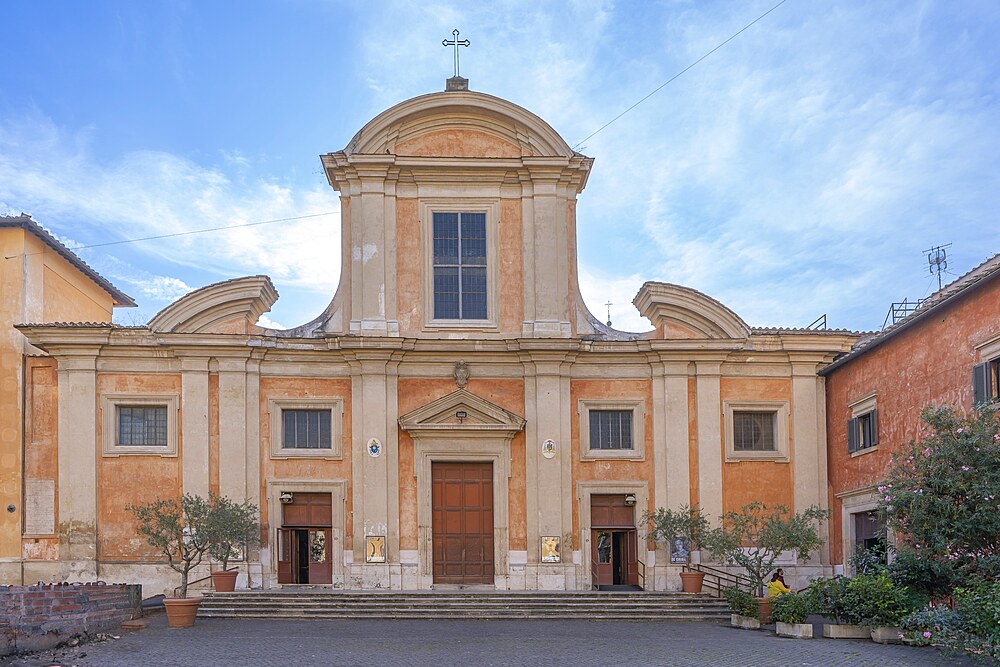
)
(801, 169)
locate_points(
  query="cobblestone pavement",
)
(447, 643)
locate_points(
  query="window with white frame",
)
(460, 238)
(460, 263)
(862, 427)
(306, 427)
(756, 430)
(612, 429)
(139, 424)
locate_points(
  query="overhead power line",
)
(675, 76)
(188, 233)
(203, 231)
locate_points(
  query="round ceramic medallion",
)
(374, 447)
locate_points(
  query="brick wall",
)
(33, 618)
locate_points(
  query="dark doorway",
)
(462, 516)
(304, 544)
(614, 554)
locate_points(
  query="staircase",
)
(464, 605)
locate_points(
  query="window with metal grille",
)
(611, 429)
(305, 429)
(142, 426)
(460, 266)
(753, 431)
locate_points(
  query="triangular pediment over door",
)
(461, 412)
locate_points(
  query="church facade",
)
(455, 417)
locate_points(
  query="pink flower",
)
(888, 498)
(959, 430)
(966, 468)
(927, 635)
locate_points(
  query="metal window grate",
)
(753, 431)
(142, 425)
(611, 429)
(306, 429)
(460, 266)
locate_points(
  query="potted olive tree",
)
(681, 531)
(180, 530)
(234, 530)
(756, 536)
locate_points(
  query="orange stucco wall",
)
(41, 433)
(511, 259)
(610, 470)
(457, 143)
(508, 394)
(36, 285)
(928, 363)
(746, 481)
(132, 479)
(304, 469)
(409, 295)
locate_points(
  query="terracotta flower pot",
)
(181, 612)
(764, 610)
(691, 582)
(224, 582)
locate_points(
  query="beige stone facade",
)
(518, 387)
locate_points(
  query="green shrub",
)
(790, 608)
(877, 602)
(933, 626)
(741, 602)
(828, 599)
(935, 578)
(979, 606)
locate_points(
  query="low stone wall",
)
(33, 618)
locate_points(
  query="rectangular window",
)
(862, 431)
(142, 426)
(611, 429)
(986, 382)
(459, 263)
(306, 429)
(753, 431)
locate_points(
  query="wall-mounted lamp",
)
(461, 415)
(630, 500)
(286, 497)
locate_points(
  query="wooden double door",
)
(462, 523)
(304, 544)
(614, 558)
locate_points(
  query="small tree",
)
(233, 528)
(942, 494)
(180, 530)
(686, 523)
(756, 536)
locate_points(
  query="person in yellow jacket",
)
(777, 586)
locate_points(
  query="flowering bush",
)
(942, 496)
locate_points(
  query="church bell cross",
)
(456, 42)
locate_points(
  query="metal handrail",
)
(717, 580)
(177, 589)
(593, 578)
(641, 570)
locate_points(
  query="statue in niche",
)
(461, 374)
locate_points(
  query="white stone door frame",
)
(458, 449)
(338, 528)
(584, 490)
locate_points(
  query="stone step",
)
(484, 605)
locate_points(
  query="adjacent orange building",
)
(945, 353)
(40, 280)
(456, 416)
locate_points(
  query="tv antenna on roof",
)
(937, 260)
